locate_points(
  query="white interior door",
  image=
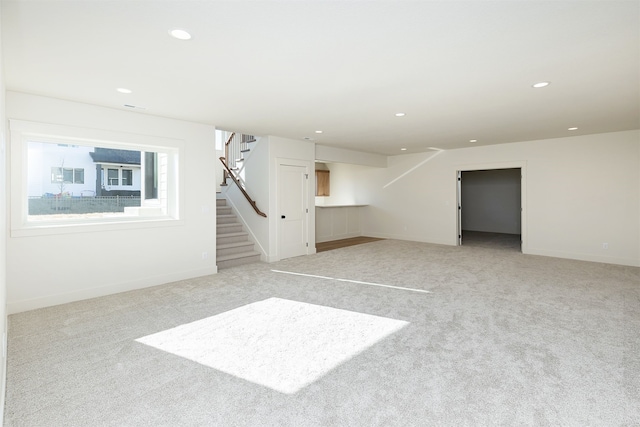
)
(293, 211)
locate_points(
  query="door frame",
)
(522, 165)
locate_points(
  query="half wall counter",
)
(335, 222)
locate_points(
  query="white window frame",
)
(153, 212)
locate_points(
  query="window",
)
(127, 177)
(56, 175)
(78, 176)
(109, 184)
(112, 176)
(67, 175)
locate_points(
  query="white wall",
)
(220, 136)
(340, 155)
(579, 192)
(343, 188)
(4, 191)
(50, 269)
(491, 201)
(218, 173)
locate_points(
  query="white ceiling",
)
(460, 70)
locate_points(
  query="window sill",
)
(43, 228)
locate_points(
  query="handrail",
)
(237, 181)
(233, 134)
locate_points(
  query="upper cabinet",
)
(322, 183)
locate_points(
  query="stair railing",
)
(236, 145)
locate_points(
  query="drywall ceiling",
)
(459, 70)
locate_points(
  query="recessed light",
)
(540, 84)
(473, 140)
(403, 149)
(124, 90)
(399, 114)
(572, 129)
(180, 34)
(318, 131)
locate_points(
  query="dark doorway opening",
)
(490, 208)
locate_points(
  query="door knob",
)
(282, 216)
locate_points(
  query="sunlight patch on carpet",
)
(277, 343)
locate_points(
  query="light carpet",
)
(281, 344)
(501, 338)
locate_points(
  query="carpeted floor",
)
(471, 336)
(487, 240)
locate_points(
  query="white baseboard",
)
(525, 250)
(82, 294)
(583, 257)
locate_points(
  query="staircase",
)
(235, 148)
(232, 242)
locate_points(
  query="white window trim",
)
(23, 131)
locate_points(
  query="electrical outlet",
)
(205, 255)
(605, 246)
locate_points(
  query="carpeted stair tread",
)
(235, 245)
(238, 256)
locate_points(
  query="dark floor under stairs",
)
(233, 246)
